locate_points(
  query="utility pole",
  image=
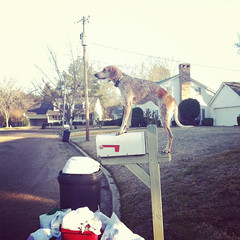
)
(85, 20)
(64, 103)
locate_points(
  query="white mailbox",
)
(126, 144)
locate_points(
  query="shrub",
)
(115, 122)
(77, 123)
(196, 122)
(108, 123)
(207, 122)
(137, 117)
(119, 121)
(56, 124)
(189, 109)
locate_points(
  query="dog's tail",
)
(176, 117)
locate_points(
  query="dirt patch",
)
(200, 186)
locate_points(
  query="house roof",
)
(48, 109)
(40, 110)
(204, 86)
(167, 79)
(193, 80)
(235, 86)
(53, 113)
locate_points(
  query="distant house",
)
(46, 113)
(225, 105)
(95, 112)
(50, 114)
(182, 86)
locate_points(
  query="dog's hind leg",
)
(166, 115)
(170, 138)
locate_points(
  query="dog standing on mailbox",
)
(138, 91)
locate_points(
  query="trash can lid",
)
(81, 165)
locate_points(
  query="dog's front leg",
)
(126, 115)
(129, 119)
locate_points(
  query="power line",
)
(165, 59)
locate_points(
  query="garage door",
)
(37, 122)
(225, 117)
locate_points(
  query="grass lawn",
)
(203, 200)
(200, 189)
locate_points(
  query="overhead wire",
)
(162, 58)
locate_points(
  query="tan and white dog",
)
(138, 91)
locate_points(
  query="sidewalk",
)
(110, 198)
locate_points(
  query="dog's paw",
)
(121, 132)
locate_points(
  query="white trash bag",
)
(116, 230)
(53, 221)
(40, 234)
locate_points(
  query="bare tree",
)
(154, 70)
(14, 102)
(8, 98)
(73, 81)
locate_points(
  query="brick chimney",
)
(184, 81)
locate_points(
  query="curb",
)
(112, 186)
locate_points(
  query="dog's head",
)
(110, 72)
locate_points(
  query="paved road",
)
(30, 160)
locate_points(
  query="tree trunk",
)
(7, 119)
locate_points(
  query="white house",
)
(225, 105)
(182, 86)
(95, 112)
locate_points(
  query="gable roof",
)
(41, 110)
(202, 85)
(167, 79)
(193, 80)
(235, 86)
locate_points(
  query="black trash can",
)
(80, 190)
(66, 135)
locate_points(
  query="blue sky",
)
(200, 32)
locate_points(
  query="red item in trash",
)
(67, 234)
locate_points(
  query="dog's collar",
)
(118, 81)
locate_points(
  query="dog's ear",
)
(115, 73)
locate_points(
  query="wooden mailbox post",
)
(151, 179)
